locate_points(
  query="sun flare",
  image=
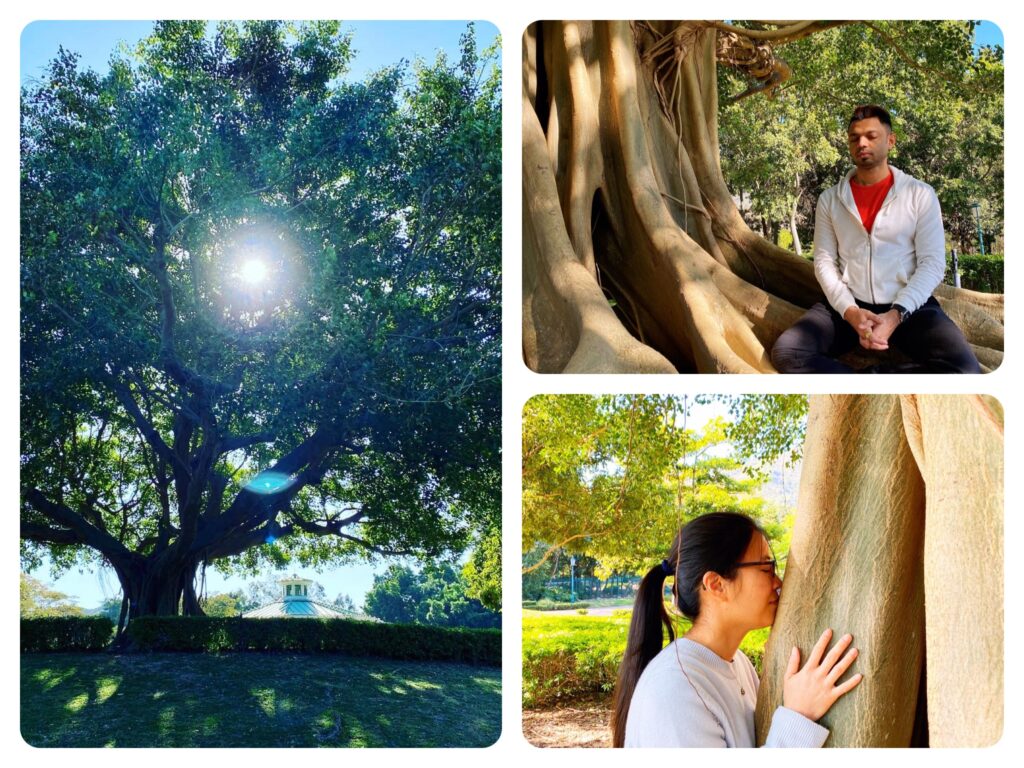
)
(254, 271)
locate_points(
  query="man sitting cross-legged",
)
(879, 252)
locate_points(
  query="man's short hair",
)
(864, 111)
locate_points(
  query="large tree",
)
(260, 306)
(899, 541)
(635, 257)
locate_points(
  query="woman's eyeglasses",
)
(770, 563)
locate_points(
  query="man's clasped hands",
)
(873, 330)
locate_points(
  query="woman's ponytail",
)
(644, 643)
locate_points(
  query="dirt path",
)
(585, 724)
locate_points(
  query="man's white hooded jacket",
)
(901, 261)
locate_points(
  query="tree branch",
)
(555, 547)
(244, 441)
(88, 533)
(44, 534)
(145, 427)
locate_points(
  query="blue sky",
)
(376, 44)
(989, 34)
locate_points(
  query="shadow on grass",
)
(255, 700)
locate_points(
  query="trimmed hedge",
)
(977, 272)
(357, 638)
(555, 605)
(66, 633)
(572, 657)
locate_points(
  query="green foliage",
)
(570, 657)
(223, 604)
(66, 633)
(357, 638)
(567, 657)
(977, 272)
(614, 477)
(554, 605)
(364, 368)
(436, 595)
(38, 599)
(765, 428)
(482, 572)
(111, 608)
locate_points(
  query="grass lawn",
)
(255, 700)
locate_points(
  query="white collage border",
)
(519, 384)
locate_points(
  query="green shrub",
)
(66, 633)
(565, 657)
(977, 272)
(357, 638)
(568, 657)
(557, 605)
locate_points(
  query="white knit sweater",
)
(688, 696)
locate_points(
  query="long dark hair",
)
(714, 542)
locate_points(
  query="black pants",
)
(928, 337)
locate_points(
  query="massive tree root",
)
(635, 257)
(899, 541)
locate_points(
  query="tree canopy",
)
(260, 306)
(434, 595)
(38, 599)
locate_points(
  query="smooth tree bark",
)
(898, 540)
(635, 256)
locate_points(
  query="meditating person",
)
(700, 690)
(879, 253)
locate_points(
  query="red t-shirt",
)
(869, 199)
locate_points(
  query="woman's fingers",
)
(848, 686)
(814, 657)
(794, 662)
(837, 650)
(844, 664)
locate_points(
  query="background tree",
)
(259, 307)
(635, 256)
(899, 540)
(482, 572)
(223, 604)
(344, 602)
(615, 476)
(38, 599)
(435, 595)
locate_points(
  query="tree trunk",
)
(160, 587)
(958, 445)
(635, 257)
(898, 540)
